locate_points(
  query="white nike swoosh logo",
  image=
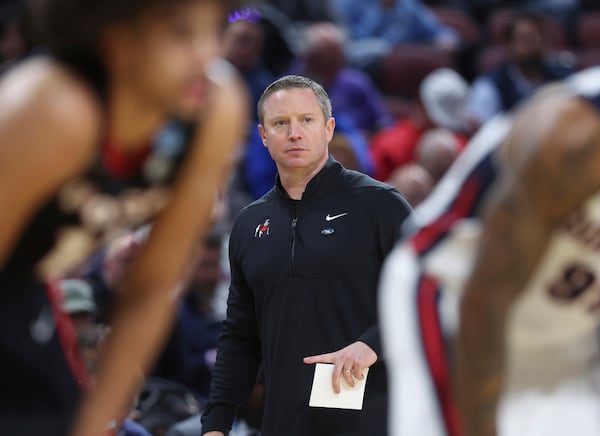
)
(331, 218)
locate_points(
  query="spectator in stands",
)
(303, 11)
(342, 151)
(351, 90)
(106, 267)
(464, 5)
(563, 10)
(412, 181)
(440, 103)
(78, 302)
(436, 151)
(526, 68)
(376, 26)
(242, 46)
(278, 43)
(188, 355)
(90, 339)
(191, 357)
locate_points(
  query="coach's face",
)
(295, 131)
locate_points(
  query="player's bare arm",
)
(554, 156)
(147, 298)
(48, 129)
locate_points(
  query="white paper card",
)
(322, 394)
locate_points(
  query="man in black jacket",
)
(305, 261)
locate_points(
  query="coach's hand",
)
(349, 362)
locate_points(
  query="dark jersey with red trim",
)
(424, 276)
(117, 192)
(38, 387)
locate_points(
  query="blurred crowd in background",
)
(410, 81)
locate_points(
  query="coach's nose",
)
(294, 130)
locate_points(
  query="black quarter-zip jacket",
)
(304, 278)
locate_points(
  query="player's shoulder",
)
(575, 125)
(54, 112)
(49, 97)
(558, 124)
(46, 84)
(569, 94)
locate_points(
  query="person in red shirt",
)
(439, 105)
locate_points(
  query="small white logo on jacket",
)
(333, 217)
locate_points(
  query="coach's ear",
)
(261, 132)
(330, 128)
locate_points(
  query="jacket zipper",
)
(293, 245)
(293, 256)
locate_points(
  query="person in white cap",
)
(78, 302)
(439, 105)
(443, 93)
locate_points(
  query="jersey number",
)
(575, 280)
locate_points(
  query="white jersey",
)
(552, 343)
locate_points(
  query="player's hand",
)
(349, 363)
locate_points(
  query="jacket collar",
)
(322, 182)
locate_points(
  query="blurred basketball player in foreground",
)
(129, 117)
(490, 310)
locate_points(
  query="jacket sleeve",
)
(392, 210)
(238, 351)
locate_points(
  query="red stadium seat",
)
(587, 57)
(497, 23)
(489, 58)
(405, 66)
(462, 23)
(553, 30)
(555, 34)
(399, 107)
(588, 30)
(492, 56)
